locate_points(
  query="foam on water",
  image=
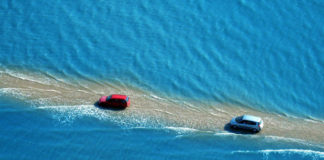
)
(181, 130)
(305, 153)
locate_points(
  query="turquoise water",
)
(262, 55)
(34, 133)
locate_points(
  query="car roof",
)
(118, 96)
(251, 118)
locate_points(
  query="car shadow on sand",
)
(228, 128)
(105, 107)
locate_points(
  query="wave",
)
(181, 130)
(14, 92)
(36, 77)
(267, 152)
(270, 139)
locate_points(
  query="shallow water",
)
(82, 133)
(77, 100)
(188, 66)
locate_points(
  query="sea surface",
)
(188, 67)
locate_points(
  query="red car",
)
(115, 100)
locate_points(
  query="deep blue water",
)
(264, 55)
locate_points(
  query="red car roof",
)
(118, 96)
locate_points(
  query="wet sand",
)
(45, 91)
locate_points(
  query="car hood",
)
(233, 121)
(103, 99)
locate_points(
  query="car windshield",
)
(119, 101)
(238, 119)
(108, 98)
(250, 123)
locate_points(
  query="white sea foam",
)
(67, 114)
(192, 109)
(271, 139)
(36, 77)
(220, 110)
(225, 134)
(182, 130)
(14, 92)
(313, 120)
(156, 97)
(302, 152)
(294, 140)
(277, 138)
(70, 112)
(42, 80)
(236, 135)
(214, 114)
(162, 111)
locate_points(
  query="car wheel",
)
(234, 126)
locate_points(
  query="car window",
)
(118, 101)
(112, 100)
(122, 101)
(239, 119)
(243, 121)
(250, 123)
